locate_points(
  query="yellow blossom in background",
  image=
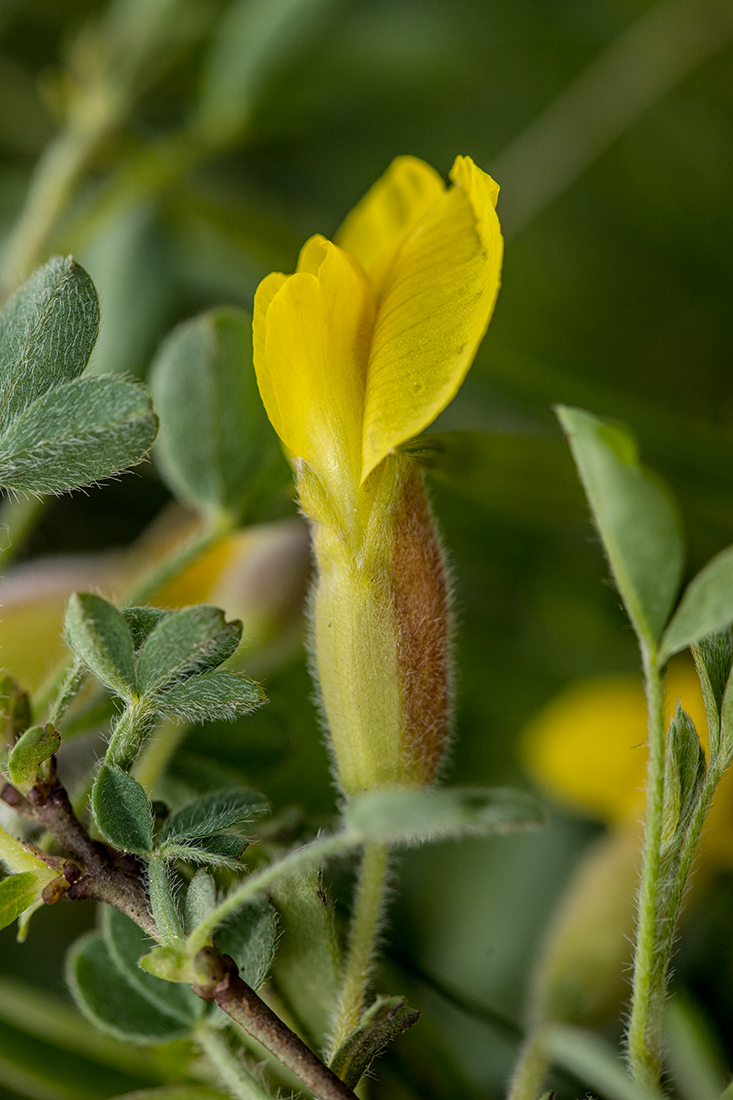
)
(355, 354)
(587, 750)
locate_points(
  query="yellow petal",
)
(435, 309)
(311, 343)
(377, 226)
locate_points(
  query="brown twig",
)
(220, 982)
(106, 875)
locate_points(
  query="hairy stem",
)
(645, 1025)
(363, 938)
(531, 1069)
(241, 1003)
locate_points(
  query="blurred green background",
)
(235, 131)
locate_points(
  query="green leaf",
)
(122, 810)
(307, 971)
(413, 816)
(110, 1002)
(706, 606)
(713, 659)
(176, 1092)
(77, 434)
(169, 964)
(126, 945)
(96, 633)
(636, 518)
(186, 643)
(684, 775)
(214, 696)
(214, 435)
(249, 936)
(212, 813)
(530, 478)
(15, 710)
(200, 899)
(383, 1021)
(141, 621)
(47, 332)
(593, 1060)
(17, 893)
(28, 753)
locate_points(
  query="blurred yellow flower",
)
(587, 749)
(355, 354)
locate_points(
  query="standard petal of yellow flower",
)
(376, 228)
(436, 306)
(587, 747)
(310, 354)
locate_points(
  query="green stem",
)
(135, 722)
(232, 1072)
(531, 1069)
(363, 939)
(645, 1024)
(18, 517)
(309, 854)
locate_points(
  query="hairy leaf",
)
(33, 747)
(213, 813)
(383, 1021)
(122, 810)
(636, 518)
(249, 936)
(96, 633)
(706, 605)
(47, 331)
(186, 643)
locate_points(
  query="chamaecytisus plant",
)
(639, 526)
(189, 928)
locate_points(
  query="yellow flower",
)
(355, 354)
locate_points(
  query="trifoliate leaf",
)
(122, 810)
(186, 643)
(47, 332)
(636, 518)
(76, 434)
(96, 633)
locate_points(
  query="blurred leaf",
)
(176, 1092)
(108, 1000)
(254, 39)
(27, 754)
(79, 433)
(592, 1059)
(15, 710)
(249, 936)
(692, 1056)
(407, 816)
(213, 813)
(17, 893)
(308, 967)
(186, 643)
(211, 697)
(706, 606)
(122, 810)
(47, 332)
(214, 435)
(382, 1022)
(636, 519)
(526, 477)
(97, 633)
(126, 945)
